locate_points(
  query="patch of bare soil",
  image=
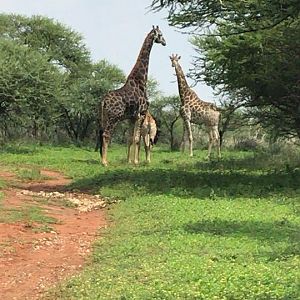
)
(30, 261)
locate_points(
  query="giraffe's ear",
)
(179, 57)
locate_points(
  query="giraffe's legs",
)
(137, 139)
(214, 138)
(217, 138)
(183, 141)
(106, 139)
(147, 146)
(190, 135)
(130, 141)
(210, 142)
(105, 142)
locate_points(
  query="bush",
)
(247, 144)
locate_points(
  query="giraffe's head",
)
(174, 59)
(158, 36)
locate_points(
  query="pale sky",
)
(115, 30)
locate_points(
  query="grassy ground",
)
(186, 228)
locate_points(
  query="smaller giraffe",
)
(196, 111)
(149, 135)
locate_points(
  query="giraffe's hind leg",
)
(106, 136)
(214, 138)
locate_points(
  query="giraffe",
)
(196, 111)
(130, 101)
(149, 135)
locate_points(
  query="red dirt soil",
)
(31, 262)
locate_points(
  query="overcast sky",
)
(115, 30)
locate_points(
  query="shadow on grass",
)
(87, 161)
(255, 161)
(271, 232)
(15, 149)
(274, 231)
(192, 183)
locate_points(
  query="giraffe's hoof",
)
(104, 163)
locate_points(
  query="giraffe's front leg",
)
(130, 142)
(105, 142)
(137, 139)
(147, 145)
(190, 135)
(183, 140)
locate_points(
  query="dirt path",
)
(31, 261)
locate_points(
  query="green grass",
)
(30, 174)
(186, 228)
(28, 214)
(2, 184)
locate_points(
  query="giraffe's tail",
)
(100, 140)
(100, 129)
(220, 129)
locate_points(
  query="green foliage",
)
(49, 86)
(166, 111)
(250, 49)
(28, 214)
(30, 174)
(29, 84)
(263, 68)
(243, 16)
(62, 46)
(80, 103)
(186, 228)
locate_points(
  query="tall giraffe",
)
(130, 101)
(196, 111)
(148, 134)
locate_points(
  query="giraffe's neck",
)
(139, 73)
(182, 83)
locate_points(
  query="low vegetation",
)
(186, 228)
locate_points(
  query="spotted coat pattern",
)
(196, 111)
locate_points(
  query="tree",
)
(263, 67)
(61, 45)
(242, 16)
(166, 109)
(29, 86)
(80, 103)
(250, 48)
(48, 82)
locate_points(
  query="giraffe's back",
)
(124, 103)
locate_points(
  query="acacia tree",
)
(47, 79)
(80, 103)
(61, 45)
(249, 48)
(29, 88)
(40, 58)
(166, 109)
(242, 16)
